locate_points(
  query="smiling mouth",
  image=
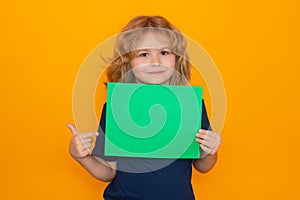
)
(155, 72)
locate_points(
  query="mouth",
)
(156, 72)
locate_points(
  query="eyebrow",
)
(147, 49)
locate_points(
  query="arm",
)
(205, 164)
(80, 149)
(209, 142)
(98, 168)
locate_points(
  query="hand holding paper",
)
(209, 141)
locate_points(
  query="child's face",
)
(153, 63)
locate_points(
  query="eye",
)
(143, 54)
(164, 53)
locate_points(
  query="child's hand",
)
(209, 141)
(80, 143)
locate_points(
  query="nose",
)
(155, 60)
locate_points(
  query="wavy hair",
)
(119, 69)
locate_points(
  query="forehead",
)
(152, 40)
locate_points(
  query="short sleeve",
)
(98, 150)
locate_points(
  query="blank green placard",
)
(152, 121)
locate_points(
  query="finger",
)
(203, 131)
(206, 143)
(208, 150)
(86, 151)
(214, 148)
(72, 128)
(83, 148)
(87, 140)
(83, 153)
(213, 140)
(82, 144)
(88, 145)
(216, 145)
(216, 141)
(204, 148)
(214, 135)
(210, 136)
(88, 135)
(204, 136)
(201, 136)
(209, 133)
(78, 143)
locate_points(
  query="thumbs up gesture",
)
(80, 143)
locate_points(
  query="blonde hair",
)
(119, 70)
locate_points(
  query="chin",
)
(158, 82)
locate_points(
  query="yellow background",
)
(255, 45)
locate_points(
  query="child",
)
(148, 50)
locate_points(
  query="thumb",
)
(72, 129)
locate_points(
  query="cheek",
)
(133, 64)
(171, 62)
(137, 63)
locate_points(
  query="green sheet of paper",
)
(152, 121)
